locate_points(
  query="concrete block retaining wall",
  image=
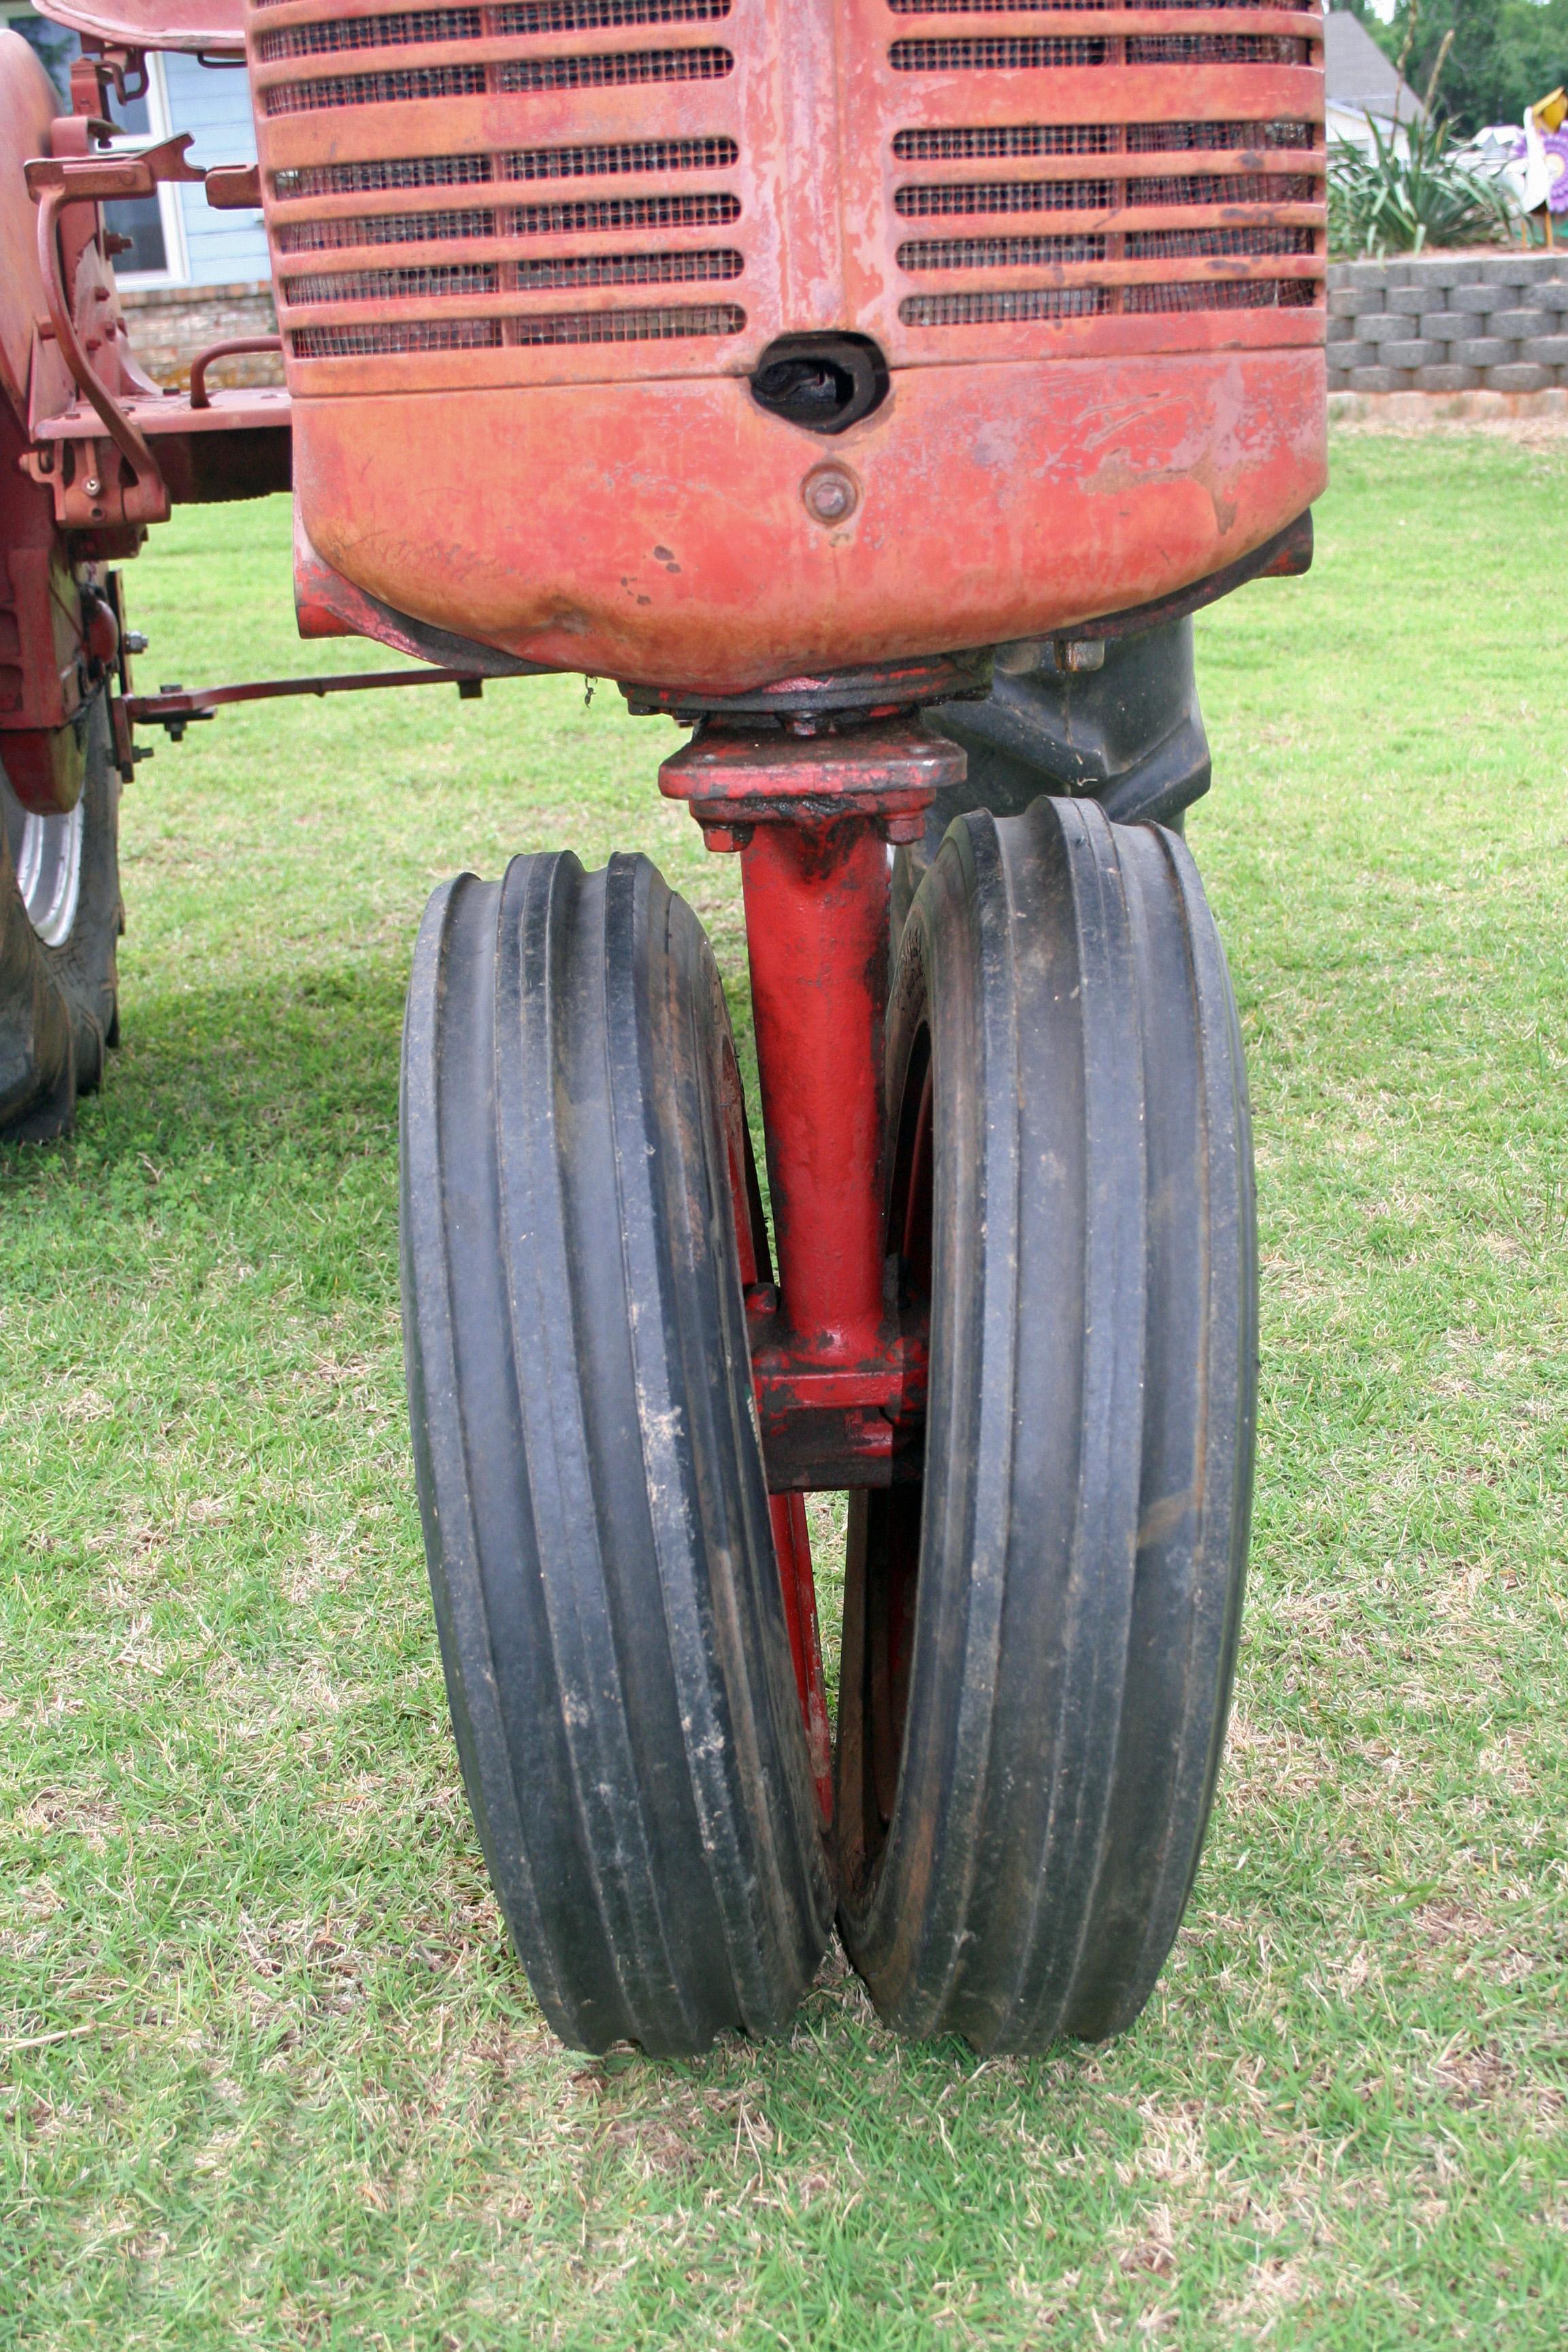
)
(1484, 321)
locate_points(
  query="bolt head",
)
(831, 494)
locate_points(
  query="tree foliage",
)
(1506, 54)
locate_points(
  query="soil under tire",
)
(1059, 1607)
(588, 1460)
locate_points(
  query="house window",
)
(156, 255)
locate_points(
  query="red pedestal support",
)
(816, 935)
(839, 1370)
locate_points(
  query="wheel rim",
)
(46, 852)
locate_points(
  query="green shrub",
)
(1394, 202)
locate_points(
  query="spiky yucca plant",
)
(1390, 202)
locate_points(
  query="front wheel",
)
(1038, 1639)
(634, 1733)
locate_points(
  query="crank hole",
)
(822, 382)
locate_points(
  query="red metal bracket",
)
(56, 181)
(738, 777)
(113, 483)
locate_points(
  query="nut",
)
(831, 494)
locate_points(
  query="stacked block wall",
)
(1483, 320)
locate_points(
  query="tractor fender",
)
(28, 105)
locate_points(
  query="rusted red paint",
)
(204, 28)
(617, 219)
(47, 664)
(997, 502)
(840, 1368)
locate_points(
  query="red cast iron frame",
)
(838, 1357)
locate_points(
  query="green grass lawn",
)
(268, 2075)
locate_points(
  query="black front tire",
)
(1039, 1643)
(589, 1462)
(60, 921)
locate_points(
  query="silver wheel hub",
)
(46, 852)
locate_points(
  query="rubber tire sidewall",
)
(1072, 1644)
(59, 1005)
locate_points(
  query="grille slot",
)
(416, 26)
(1033, 7)
(628, 326)
(998, 252)
(1233, 244)
(1226, 294)
(402, 86)
(371, 33)
(596, 72)
(1001, 309)
(389, 228)
(1007, 52)
(1005, 196)
(525, 220)
(487, 277)
(597, 15)
(531, 163)
(1064, 303)
(1217, 49)
(983, 141)
(395, 285)
(1234, 188)
(1025, 52)
(920, 203)
(408, 83)
(1164, 137)
(488, 334)
(395, 335)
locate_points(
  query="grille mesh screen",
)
(523, 220)
(488, 334)
(405, 84)
(531, 163)
(416, 26)
(1008, 54)
(953, 144)
(998, 252)
(1003, 309)
(487, 278)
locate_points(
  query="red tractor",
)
(876, 387)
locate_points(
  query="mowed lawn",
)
(267, 2073)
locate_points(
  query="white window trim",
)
(159, 126)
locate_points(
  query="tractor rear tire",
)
(60, 921)
(1038, 1642)
(597, 1526)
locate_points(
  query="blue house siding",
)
(214, 104)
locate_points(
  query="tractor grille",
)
(1011, 181)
